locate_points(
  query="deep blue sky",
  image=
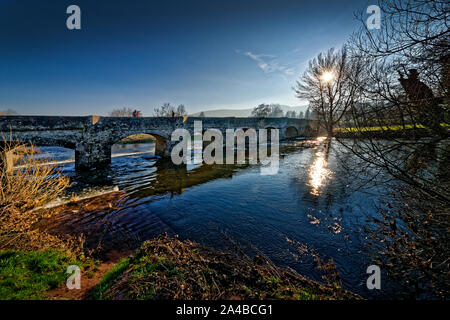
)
(205, 54)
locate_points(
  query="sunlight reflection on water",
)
(305, 203)
(318, 171)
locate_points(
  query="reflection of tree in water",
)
(421, 158)
(175, 179)
(414, 219)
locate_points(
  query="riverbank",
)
(162, 269)
(407, 131)
(29, 275)
(167, 268)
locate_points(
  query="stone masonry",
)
(92, 136)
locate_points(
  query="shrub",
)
(34, 183)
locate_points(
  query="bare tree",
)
(181, 110)
(167, 110)
(414, 41)
(123, 112)
(406, 72)
(307, 114)
(399, 127)
(276, 111)
(267, 111)
(291, 114)
(330, 85)
(261, 111)
(412, 32)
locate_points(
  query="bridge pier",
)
(95, 155)
(93, 136)
(88, 156)
(163, 147)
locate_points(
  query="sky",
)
(210, 54)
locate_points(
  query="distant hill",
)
(221, 113)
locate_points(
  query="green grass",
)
(141, 266)
(387, 128)
(28, 275)
(110, 278)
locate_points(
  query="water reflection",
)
(318, 171)
(307, 202)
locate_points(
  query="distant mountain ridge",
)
(221, 113)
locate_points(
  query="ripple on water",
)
(305, 210)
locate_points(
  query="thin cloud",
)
(268, 63)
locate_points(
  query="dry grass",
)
(23, 189)
(166, 268)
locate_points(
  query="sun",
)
(327, 76)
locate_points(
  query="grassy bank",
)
(388, 131)
(29, 275)
(32, 261)
(166, 268)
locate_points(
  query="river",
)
(312, 207)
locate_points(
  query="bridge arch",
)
(39, 141)
(92, 136)
(12, 146)
(161, 139)
(97, 151)
(291, 132)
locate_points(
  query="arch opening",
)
(18, 153)
(99, 153)
(291, 132)
(139, 143)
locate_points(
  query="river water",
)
(311, 208)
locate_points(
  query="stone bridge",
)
(92, 136)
